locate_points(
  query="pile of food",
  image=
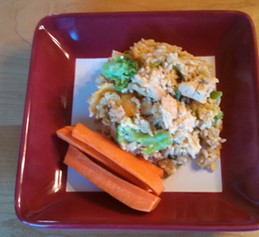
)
(161, 103)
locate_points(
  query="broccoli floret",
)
(218, 117)
(216, 95)
(120, 69)
(127, 134)
(159, 145)
(160, 140)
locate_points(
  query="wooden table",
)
(17, 22)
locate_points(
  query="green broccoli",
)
(216, 95)
(218, 117)
(160, 140)
(120, 69)
(159, 145)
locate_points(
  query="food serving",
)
(161, 106)
(160, 102)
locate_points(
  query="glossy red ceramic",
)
(41, 199)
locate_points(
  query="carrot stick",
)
(154, 168)
(65, 134)
(127, 193)
(124, 159)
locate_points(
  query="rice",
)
(171, 91)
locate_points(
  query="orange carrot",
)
(154, 168)
(127, 193)
(124, 159)
(65, 134)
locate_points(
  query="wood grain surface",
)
(17, 22)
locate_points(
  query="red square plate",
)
(41, 199)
